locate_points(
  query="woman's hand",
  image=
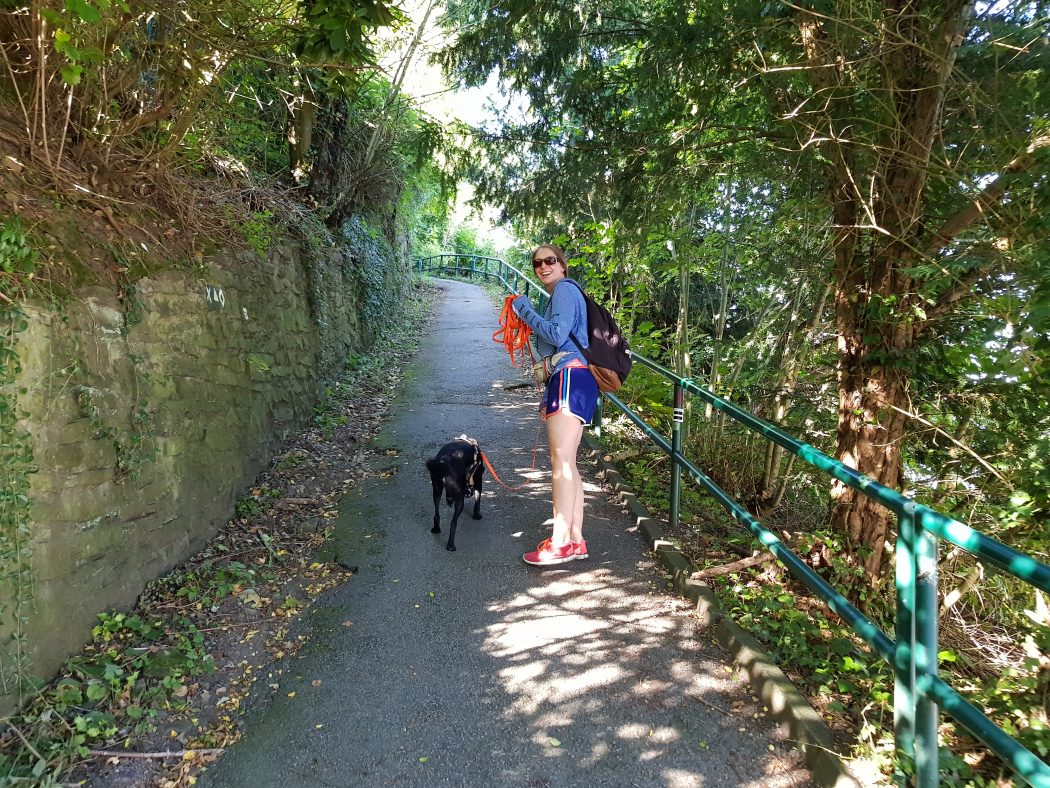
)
(518, 304)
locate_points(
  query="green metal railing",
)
(513, 279)
(919, 694)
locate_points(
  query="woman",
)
(569, 401)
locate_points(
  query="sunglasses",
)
(551, 261)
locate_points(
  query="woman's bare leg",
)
(576, 530)
(564, 432)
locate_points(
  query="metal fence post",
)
(676, 449)
(926, 712)
(904, 651)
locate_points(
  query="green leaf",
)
(96, 690)
(851, 664)
(83, 10)
(71, 74)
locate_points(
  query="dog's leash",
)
(523, 485)
(513, 333)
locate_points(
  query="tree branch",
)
(962, 288)
(736, 566)
(152, 755)
(992, 194)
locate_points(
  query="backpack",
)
(608, 354)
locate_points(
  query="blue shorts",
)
(571, 389)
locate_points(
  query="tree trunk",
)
(302, 113)
(876, 303)
(723, 307)
(683, 362)
(870, 434)
(788, 361)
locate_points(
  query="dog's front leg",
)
(437, 485)
(477, 498)
(456, 512)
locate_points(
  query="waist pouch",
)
(545, 368)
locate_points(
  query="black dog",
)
(457, 468)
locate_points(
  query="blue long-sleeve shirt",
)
(566, 313)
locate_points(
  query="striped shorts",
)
(574, 390)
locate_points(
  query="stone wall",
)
(151, 410)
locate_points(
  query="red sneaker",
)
(547, 554)
(579, 549)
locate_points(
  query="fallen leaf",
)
(554, 742)
(250, 596)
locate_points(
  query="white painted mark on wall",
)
(215, 297)
(244, 311)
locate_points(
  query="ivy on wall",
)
(17, 264)
(374, 258)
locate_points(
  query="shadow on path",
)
(472, 669)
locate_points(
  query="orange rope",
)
(514, 335)
(524, 484)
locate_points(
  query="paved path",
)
(473, 669)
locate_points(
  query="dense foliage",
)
(274, 99)
(92, 75)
